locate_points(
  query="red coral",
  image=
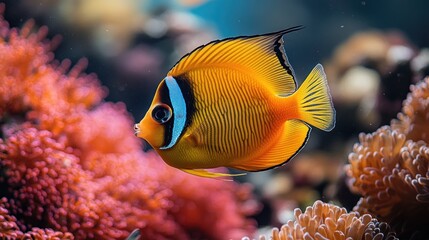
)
(71, 163)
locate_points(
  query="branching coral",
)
(70, 161)
(390, 168)
(209, 215)
(10, 230)
(327, 221)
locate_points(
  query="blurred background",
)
(371, 50)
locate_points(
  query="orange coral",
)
(70, 162)
(52, 96)
(25, 69)
(327, 221)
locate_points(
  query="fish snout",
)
(136, 129)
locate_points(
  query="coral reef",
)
(390, 168)
(10, 230)
(327, 221)
(70, 162)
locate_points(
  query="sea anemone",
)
(414, 118)
(327, 221)
(390, 168)
(70, 162)
(392, 176)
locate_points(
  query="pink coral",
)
(105, 130)
(105, 198)
(195, 208)
(10, 230)
(70, 161)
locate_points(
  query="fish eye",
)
(161, 113)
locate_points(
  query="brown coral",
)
(327, 221)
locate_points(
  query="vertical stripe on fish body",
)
(234, 103)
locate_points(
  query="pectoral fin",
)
(193, 139)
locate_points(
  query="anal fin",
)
(207, 174)
(292, 139)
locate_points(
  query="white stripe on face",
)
(179, 110)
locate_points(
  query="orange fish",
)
(235, 103)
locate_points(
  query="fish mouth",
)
(136, 129)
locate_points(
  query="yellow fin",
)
(260, 56)
(292, 139)
(207, 174)
(193, 139)
(314, 100)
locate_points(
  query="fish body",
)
(234, 103)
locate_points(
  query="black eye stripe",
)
(164, 95)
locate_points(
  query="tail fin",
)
(314, 100)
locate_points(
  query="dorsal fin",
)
(262, 56)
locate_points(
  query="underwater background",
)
(76, 75)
